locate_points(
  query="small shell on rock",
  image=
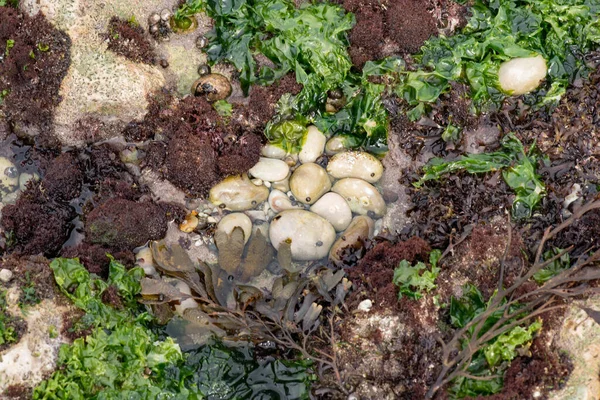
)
(334, 145)
(309, 182)
(204, 69)
(201, 42)
(313, 145)
(360, 229)
(229, 222)
(362, 197)
(212, 86)
(309, 235)
(191, 222)
(165, 14)
(355, 164)
(271, 151)
(238, 193)
(334, 209)
(154, 18)
(270, 169)
(9, 174)
(278, 201)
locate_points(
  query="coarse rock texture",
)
(35, 356)
(394, 193)
(580, 338)
(24, 364)
(101, 91)
(125, 224)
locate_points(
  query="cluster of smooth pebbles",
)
(315, 211)
(159, 24)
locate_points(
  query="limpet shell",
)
(334, 209)
(313, 145)
(229, 222)
(309, 182)
(270, 169)
(360, 229)
(212, 86)
(355, 164)
(362, 197)
(238, 193)
(310, 236)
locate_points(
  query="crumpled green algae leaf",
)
(518, 170)
(413, 281)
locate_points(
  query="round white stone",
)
(334, 209)
(270, 169)
(311, 236)
(313, 145)
(522, 75)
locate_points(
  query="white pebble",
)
(271, 151)
(365, 306)
(355, 164)
(362, 197)
(6, 275)
(270, 169)
(334, 209)
(311, 236)
(313, 145)
(522, 75)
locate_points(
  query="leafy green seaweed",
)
(562, 31)
(310, 41)
(489, 363)
(414, 280)
(127, 357)
(518, 171)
